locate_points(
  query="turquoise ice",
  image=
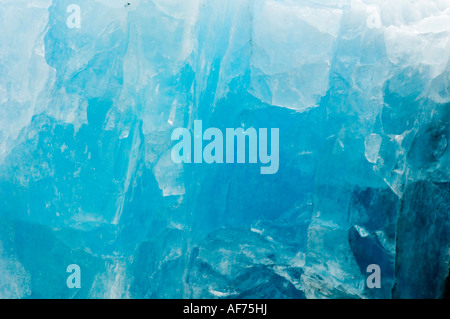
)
(360, 92)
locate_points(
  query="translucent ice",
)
(359, 90)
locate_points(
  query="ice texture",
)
(360, 90)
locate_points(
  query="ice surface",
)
(358, 88)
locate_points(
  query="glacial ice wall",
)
(358, 88)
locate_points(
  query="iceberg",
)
(91, 92)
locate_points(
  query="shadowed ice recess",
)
(360, 92)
